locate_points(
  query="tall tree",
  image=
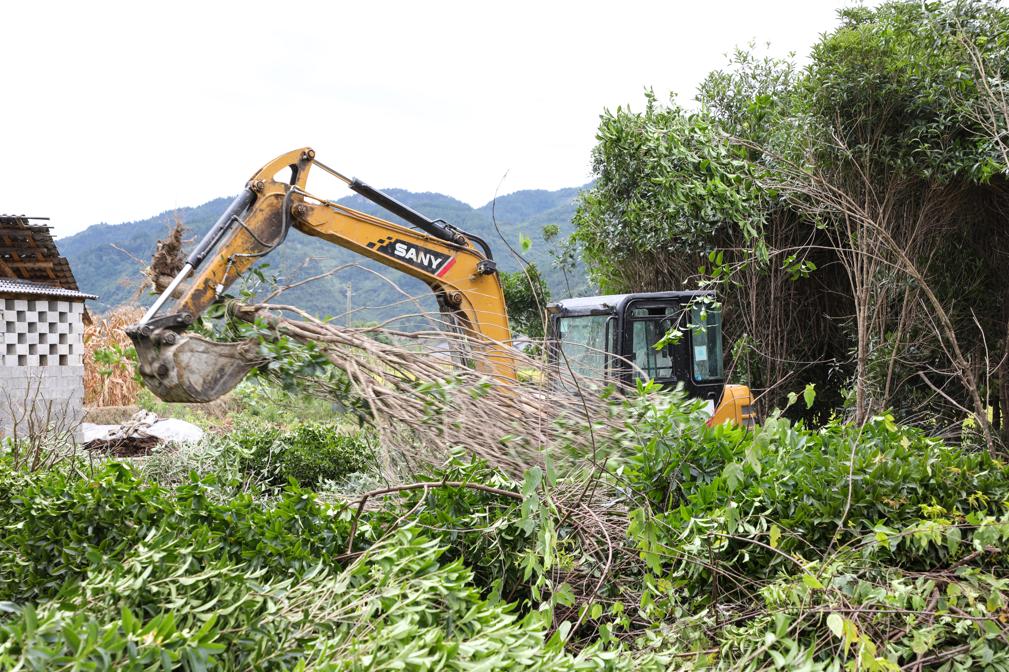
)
(854, 208)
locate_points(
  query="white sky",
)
(118, 111)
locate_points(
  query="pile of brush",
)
(426, 403)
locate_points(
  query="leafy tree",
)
(856, 205)
(667, 185)
(526, 295)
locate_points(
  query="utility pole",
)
(350, 293)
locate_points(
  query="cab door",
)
(645, 323)
(694, 359)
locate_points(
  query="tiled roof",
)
(27, 252)
(22, 287)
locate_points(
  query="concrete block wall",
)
(41, 363)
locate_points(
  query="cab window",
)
(583, 344)
(648, 326)
(649, 362)
(706, 342)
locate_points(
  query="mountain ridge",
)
(108, 259)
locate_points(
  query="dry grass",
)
(110, 384)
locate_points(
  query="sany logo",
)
(415, 255)
(424, 258)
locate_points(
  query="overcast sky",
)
(119, 111)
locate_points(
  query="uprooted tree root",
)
(168, 259)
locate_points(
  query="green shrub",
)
(402, 606)
(695, 479)
(114, 572)
(57, 528)
(308, 453)
(874, 544)
(316, 452)
(257, 441)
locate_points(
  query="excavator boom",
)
(458, 267)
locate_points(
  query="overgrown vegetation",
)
(850, 213)
(308, 453)
(696, 547)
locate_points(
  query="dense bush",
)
(308, 453)
(798, 479)
(58, 528)
(790, 547)
(406, 607)
(113, 572)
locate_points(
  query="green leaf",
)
(953, 538)
(811, 581)
(775, 535)
(525, 242)
(921, 643)
(130, 623)
(809, 394)
(850, 634)
(564, 594)
(836, 624)
(733, 474)
(534, 477)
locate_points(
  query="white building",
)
(42, 320)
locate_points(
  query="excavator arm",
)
(458, 267)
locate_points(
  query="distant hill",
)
(107, 259)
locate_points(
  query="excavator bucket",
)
(189, 368)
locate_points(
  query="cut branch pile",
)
(426, 403)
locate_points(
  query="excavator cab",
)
(673, 338)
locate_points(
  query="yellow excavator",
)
(613, 337)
